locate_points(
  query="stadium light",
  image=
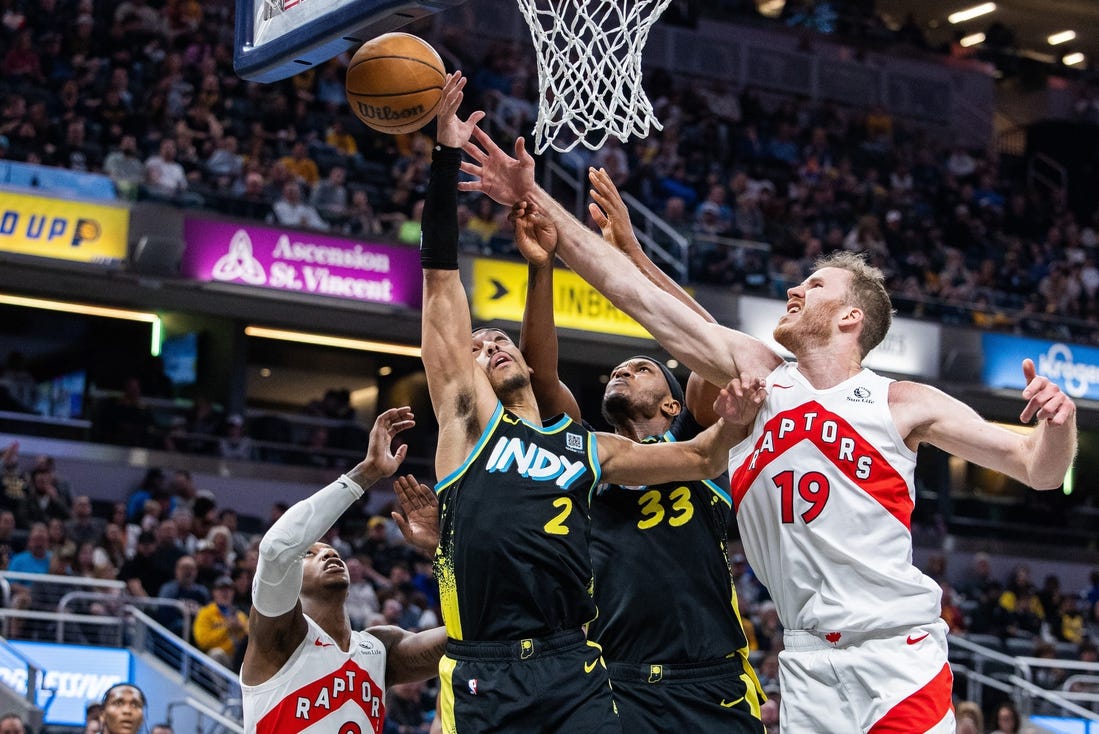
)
(972, 39)
(86, 309)
(1072, 59)
(1062, 37)
(402, 350)
(970, 13)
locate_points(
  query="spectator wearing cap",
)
(235, 445)
(220, 628)
(210, 568)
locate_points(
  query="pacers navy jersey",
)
(662, 581)
(513, 557)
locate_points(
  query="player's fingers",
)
(1034, 386)
(474, 151)
(1028, 370)
(400, 452)
(738, 388)
(1064, 413)
(521, 150)
(597, 215)
(1028, 411)
(475, 117)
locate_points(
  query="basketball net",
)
(589, 70)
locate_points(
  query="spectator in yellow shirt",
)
(301, 165)
(220, 629)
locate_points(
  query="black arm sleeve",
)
(439, 227)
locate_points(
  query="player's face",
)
(501, 360)
(323, 568)
(812, 308)
(123, 711)
(636, 383)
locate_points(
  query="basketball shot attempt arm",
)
(277, 622)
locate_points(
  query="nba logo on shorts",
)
(473, 686)
(574, 442)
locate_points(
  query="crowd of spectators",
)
(144, 91)
(170, 540)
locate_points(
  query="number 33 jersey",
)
(513, 557)
(824, 492)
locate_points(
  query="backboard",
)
(276, 39)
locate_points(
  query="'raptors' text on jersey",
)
(322, 688)
(824, 491)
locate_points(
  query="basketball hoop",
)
(589, 70)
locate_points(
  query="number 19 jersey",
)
(513, 557)
(824, 492)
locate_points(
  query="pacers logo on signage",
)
(37, 225)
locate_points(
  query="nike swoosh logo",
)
(913, 640)
(343, 484)
(589, 667)
(782, 387)
(318, 643)
(730, 704)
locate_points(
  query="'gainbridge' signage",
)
(1072, 367)
(71, 676)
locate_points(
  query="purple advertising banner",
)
(301, 262)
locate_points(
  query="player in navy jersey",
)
(668, 620)
(513, 567)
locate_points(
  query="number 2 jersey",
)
(322, 689)
(513, 557)
(662, 582)
(824, 492)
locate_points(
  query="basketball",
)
(394, 83)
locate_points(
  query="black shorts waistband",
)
(515, 650)
(675, 672)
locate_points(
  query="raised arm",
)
(1039, 459)
(460, 396)
(276, 623)
(612, 216)
(705, 456)
(713, 351)
(535, 236)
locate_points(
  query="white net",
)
(589, 70)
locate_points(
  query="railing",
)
(649, 228)
(26, 701)
(223, 723)
(192, 665)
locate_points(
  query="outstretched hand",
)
(419, 516)
(381, 459)
(1045, 401)
(609, 211)
(497, 175)
(739, 401)
(450, 130)
(535, 234)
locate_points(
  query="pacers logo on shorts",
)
(656, 672)
(527, 648)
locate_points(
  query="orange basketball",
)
(394, 83)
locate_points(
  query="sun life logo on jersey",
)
(860, 395)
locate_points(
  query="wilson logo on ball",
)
(372, 112)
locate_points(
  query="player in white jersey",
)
(828, 469)
(305, 670)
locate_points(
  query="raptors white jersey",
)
(824, 492)
(322, 689)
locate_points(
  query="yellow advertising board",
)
(500, 292)
(69, 230)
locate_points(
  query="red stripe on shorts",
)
(920, 711)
